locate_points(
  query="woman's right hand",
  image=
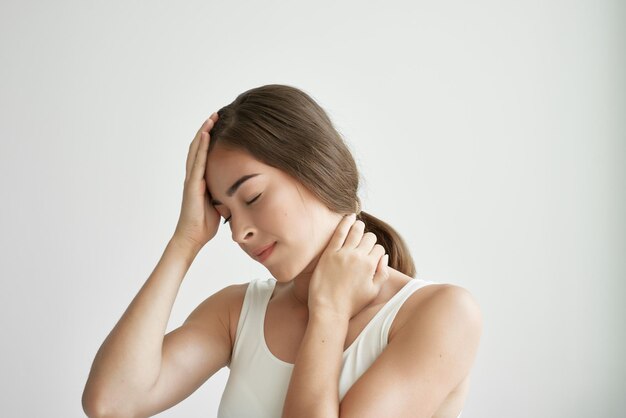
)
(198, 221)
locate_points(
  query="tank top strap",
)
(251, 317)
(391, 308)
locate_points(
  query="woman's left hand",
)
(350, 271)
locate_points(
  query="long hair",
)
(283, 127)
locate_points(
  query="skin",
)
(335, 270)
(285, 213)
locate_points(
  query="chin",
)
(282, 274)
(287, 273)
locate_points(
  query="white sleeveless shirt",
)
(258, 381)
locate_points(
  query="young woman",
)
(342, 328)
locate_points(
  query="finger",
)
(367, 242)
(377, 251)
(193, 147)
(382, 272)
(355, 234)
(208, 124)
(197, 173)
(376, 255)
(339, 236)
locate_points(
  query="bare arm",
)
(138, 370)
(189, 356)
(127, 364)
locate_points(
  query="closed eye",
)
(247, 203)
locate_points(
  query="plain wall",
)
(490, 134)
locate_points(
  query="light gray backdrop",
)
(491, 134)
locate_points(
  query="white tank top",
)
(258, 381)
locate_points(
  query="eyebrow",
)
(232, 189)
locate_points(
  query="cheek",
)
(276, 215)
(286, 218)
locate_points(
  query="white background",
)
(490, 134)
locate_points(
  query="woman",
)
(341, 329)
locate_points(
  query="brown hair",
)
(283, 127)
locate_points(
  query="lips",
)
(262, 253)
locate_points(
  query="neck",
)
(298, 300)
(299, 289)
(300, 284)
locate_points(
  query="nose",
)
(242, 230)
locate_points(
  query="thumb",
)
(382, 272)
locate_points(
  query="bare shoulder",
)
(432, 303)
(457, 298)
(445, 306)
(449, 298)
(226, 304)
(425, 366)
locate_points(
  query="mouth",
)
(265, 253)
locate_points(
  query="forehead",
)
(224, 166)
